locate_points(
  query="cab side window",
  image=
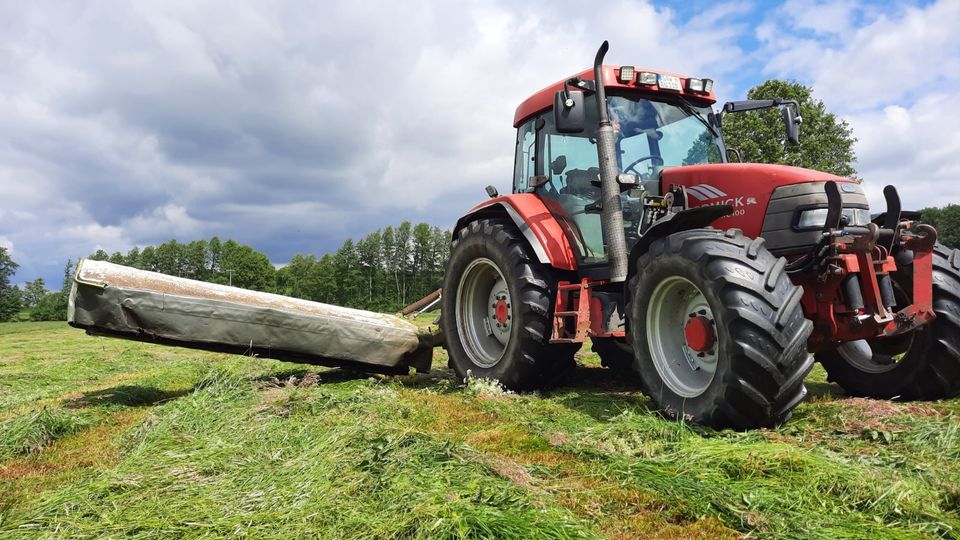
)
(524, 164)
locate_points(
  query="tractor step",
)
(572, 325)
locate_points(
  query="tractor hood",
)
(762, 197)
(743, 178)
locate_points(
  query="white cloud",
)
(893, 58)
(914, 148)
(893, 79)
(822, 18)
(288, 126)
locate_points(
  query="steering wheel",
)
(631, 166)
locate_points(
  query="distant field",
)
(108, 438)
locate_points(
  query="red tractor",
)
(718, 283)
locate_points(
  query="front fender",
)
(538, 226)
(691, 218)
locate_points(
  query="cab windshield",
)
(650, 136)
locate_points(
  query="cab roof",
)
(543, 99)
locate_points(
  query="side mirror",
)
(791, 123)
(568, 112)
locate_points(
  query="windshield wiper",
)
(690, 110)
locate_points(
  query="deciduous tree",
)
(947, 222)
(826, 141)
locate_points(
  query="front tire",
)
(921, 365)
(496, 310)
(742, 362)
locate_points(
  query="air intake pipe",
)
(611, 214)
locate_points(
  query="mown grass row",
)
(147, 442)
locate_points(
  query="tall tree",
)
(349, 277)
(33, 292)
(133, 258)
(9, 294)
(148, 259)
(401, 260)
(368, 252)
(826, 142)
(243, 267)
(388, 247)
(423, 263)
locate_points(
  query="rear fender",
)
(692, 218)
(539, 227)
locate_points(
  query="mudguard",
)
(539, 227)
(691, 218)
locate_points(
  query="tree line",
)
(384, 271)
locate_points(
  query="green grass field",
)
(108, 438)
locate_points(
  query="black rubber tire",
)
(615, 354)
(529, 361)
(761, 330)
(930, 367)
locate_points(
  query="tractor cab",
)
(653, 129)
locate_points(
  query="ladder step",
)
(571, 287)
(566, 313)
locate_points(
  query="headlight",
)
(816, 218)
(812, 219)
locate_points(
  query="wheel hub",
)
(699, 333)
(498, 311)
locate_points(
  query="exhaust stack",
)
(611, 213)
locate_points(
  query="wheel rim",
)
(484, 313)
(876, 355)
(687, 367)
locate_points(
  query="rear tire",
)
(492, 279)
(751, 374)
(930, 366)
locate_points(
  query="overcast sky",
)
(291, 126)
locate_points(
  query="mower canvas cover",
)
(114, 300)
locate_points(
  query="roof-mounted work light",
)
(626, 74)
(647, 78)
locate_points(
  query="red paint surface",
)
(543, 99)
(542, 223)
(746, 186)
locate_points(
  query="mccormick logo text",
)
(709, 195)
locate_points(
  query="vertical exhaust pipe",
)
(611, 214)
